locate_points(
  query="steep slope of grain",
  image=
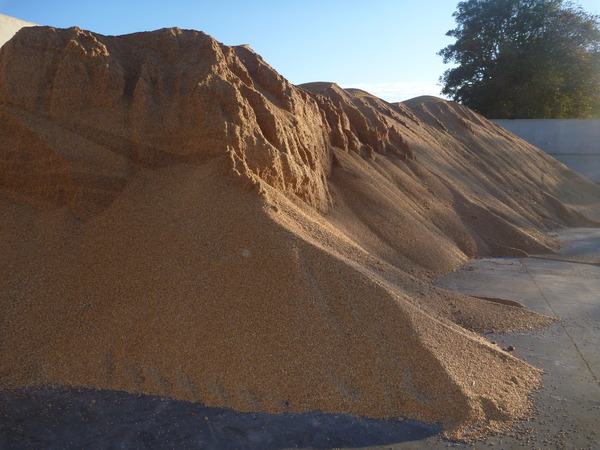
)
(448, 179)
(180, 220)
(144, 99)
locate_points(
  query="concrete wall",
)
(574, 142)
(9, 26)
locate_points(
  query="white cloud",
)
(397, 91)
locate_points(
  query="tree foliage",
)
(524, 59)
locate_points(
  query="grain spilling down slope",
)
(180, 220)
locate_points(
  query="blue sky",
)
(387, 48)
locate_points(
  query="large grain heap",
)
(178, 219)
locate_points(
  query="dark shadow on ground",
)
(61, 418)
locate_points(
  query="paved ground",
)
(566, 415)
(567, 409)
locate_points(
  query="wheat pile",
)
(180, 220)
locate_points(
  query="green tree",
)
(524, 59)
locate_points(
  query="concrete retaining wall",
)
(574, 142)
(9, 26)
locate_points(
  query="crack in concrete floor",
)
(557, 316)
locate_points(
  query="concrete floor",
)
(566, 411)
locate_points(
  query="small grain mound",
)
(180, 220)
